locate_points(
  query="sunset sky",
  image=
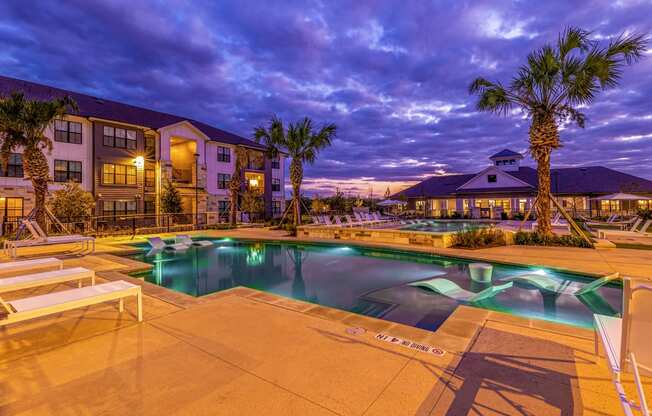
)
(393, 76)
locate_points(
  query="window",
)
(67, 131)
(150, 177)
(11, 207)
(609, 205)
(276, 207)
(223, 154)
(223, 180)
(276, 185)
(492, 178)
(150, 206)
(643, 204)
(276, 163)
(14, 167)
(112, 208)
(150, 147)
(223, 206)
(67, 170)
(122, 138)
(118, 174)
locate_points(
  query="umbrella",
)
(389, 202)
(622, 197)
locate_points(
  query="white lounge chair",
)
(338, 221)
(185, 239)
(634, 232)
(626, 341)
(34, 264)
(39, 238)
(37, 306)
(26, 281)
(452, 290)
(157, 243)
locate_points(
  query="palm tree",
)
(22, 125)
(301, 144)
(552, 87)
(235, 184)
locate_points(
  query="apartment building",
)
(124, 155)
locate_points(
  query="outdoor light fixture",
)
(140, 162)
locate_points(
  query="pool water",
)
(367, 281)
(442, 226)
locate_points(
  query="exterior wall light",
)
(140, 162)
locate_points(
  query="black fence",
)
(132, 224)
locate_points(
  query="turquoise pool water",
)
(440, 226)
(368, 281)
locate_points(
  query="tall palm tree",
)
(22, 126)
(235, 184)
(301, 144)
(557, 81)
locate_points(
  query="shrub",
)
(71, 202)
(646, 214)
(525, 238)
(504, 216)
(519, 216)
(478, 238)
(456, 215)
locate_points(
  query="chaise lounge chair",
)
(185, 239)
(597, 283)
(40, 238)
(34, 264)
(158, 244)
(633, 232)
(37, 306)
(450, 289)
(539, 280)
(626, 341)
(26, 281)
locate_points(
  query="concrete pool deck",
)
(248, 352)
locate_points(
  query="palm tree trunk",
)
(36, 167)
(296, 177)
(544, 137)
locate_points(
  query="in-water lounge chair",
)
(27, 265)
(158, 244)
(626, 340)
(597, 283)
(26, 281)
(185, 239)
(37, 306)
(450, 289)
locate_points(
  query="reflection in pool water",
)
(368, 281)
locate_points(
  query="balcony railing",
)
(182, 175)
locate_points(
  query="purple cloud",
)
(394, 79)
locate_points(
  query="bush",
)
(524, 238)
(456, 215)
(504, 216)
(519, 216)
(478, 238)
(646, 214)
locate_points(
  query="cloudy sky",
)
(393, 76)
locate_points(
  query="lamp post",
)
(196, 190)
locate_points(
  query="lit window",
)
(118, 174)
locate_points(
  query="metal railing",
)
(131, 224)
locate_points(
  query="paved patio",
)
(247, 352)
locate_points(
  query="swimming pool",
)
(368, 281)
(442, 226)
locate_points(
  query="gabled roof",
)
(90, 106)
(506, 153)
(565, 181)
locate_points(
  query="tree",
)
(170, 199)
(387, 193)
(553, 87)
(319, 206)
(71, 202)
(253, 202)
(22, 125)
(235, 184)
(301, 144)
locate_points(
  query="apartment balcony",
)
(182, 176)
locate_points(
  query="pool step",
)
(371, 308)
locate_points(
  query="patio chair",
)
(25, 265)
(338, 221)
(38, 306)
(27, 281)
(158, 244)
(633, 232)
(539, 280)
(186, 240)
(626, 341)
(351, 221)
(40, 238)
(452, 290)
